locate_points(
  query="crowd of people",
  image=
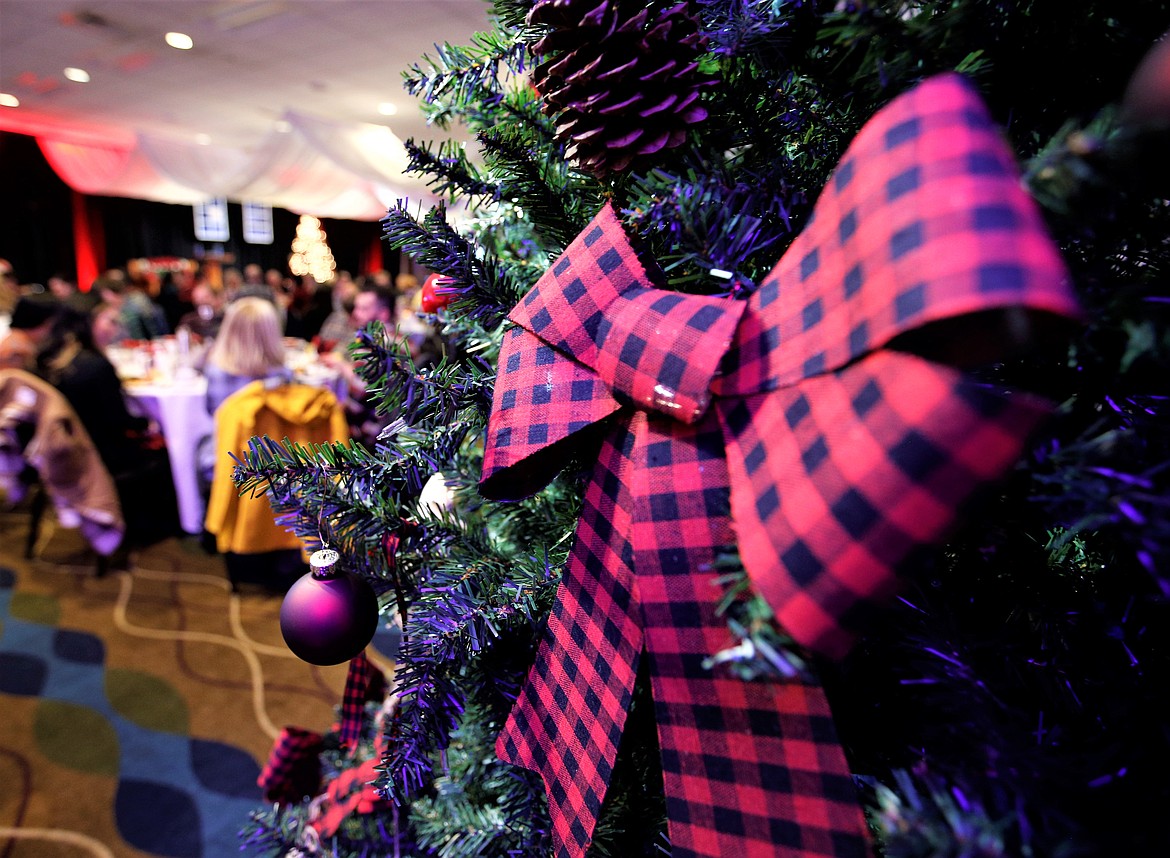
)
(236, 327)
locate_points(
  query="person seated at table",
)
(28, 330)
(68, 294)
(131, 447)
(249, 347)
(139, 315)
(71, 361)
(337, 329)
(373, 302)
(309, 305)
(205, 320)
(174, 295)
(105, 325)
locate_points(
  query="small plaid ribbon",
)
(352, 792)
(293, 770)
(786, 425)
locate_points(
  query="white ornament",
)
(437, 496)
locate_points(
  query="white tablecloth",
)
(180, 409)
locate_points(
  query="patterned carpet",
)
(136, 710)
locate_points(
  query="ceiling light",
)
(9, 100)
(76, 75)
(180, 40)
(387, 109)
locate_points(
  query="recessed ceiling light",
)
(387, 109)
(76, 75)
(9, 100)
(203, 139)
(180, 40)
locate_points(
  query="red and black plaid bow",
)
(784, 424)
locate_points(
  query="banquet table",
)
(176, 399)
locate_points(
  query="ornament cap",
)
(323, 562)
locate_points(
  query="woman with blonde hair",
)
(249, 346)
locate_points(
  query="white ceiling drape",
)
(98, 168)
(317, 167)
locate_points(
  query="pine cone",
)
(621, 80)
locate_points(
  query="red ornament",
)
(328, 617)
(436, 293)
(1147, 97)
(390, 548)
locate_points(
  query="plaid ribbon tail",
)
(749, 768)
(568, 720)
(358, 680)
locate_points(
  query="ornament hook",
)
(322, 563)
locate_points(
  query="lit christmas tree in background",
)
(310, 251)
(1004, 702)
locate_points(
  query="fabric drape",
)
(319, 167)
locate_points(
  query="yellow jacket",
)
(299, 412)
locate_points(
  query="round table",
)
(179, 407)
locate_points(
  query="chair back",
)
(42, 438)
(278, 410)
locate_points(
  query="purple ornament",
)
(328, 617)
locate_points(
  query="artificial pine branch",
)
(723, 233)
(274, 832)
(430, 239)
(465, 604)
(457, 77)
(423, 398)
(478, 807)
(452, 174)
(1109, 472)
(906, 41)
(539, 187)
(763, 651)
(760, 31)
(922, 816)
(488, 289)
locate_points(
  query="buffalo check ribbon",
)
(363, 681)
(293, 769)
(790, 425)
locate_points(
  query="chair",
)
(254, 545)
(46, 452)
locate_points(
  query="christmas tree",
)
(1005, 700)
(310, 251)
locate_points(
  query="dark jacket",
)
(93, 388)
